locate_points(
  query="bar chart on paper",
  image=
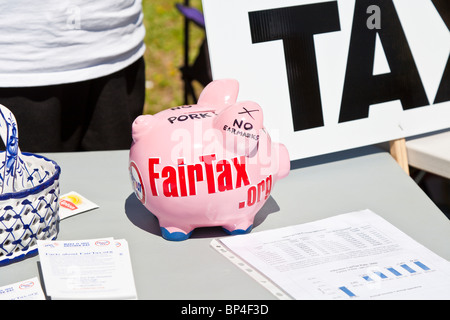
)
(385, 282)
(357, 255)
(405, 269)
(371, 280)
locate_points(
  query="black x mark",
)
(247, 111)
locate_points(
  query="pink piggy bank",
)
(209, 164)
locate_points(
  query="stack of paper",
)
(87, 269)
(357, 255)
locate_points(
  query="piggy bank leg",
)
(175, 234)
(239, 227)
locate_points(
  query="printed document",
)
(357, 255)
(87, 269)
(29, 289)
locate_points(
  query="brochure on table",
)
(29, 289)
(87, 269)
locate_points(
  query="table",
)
(430, 152)
(316, 188)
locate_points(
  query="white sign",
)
(335, 75)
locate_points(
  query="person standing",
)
(72, 72)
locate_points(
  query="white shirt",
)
(61, 41)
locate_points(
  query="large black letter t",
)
(296, 26)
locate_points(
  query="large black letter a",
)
(361, 87)
(443, 94)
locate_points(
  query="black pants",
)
(89, 115)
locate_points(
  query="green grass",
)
(164, 54)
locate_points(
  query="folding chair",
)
(200, 70)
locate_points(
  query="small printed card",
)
(24, 290)
(73, 203)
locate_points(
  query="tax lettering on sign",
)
(296, 27)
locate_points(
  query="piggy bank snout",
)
(240, 125)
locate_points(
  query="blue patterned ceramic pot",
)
(29, 198)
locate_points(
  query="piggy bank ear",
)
(240, 125)
(219, 93)
(141, 126)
